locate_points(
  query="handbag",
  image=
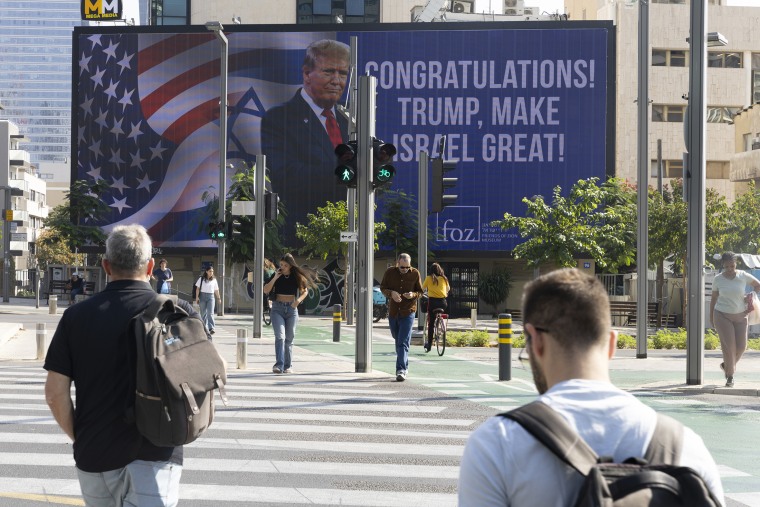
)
(166, 288)
(753, 308)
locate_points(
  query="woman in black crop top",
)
(290, 287)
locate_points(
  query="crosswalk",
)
(336, 439)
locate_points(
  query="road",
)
(327, 436)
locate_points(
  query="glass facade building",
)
(35, 82)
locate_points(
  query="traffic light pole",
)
(366, 237)
(258, 257)
(351, 194)
(422, 213)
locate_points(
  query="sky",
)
(552, 6)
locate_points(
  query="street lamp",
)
(695, 186)
(218, 29)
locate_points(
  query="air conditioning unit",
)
(528, 11)
(512, 4)
(513, 12)
(463, 6)
(756, 144)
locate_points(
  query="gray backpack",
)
(652, 481)
(177, 369)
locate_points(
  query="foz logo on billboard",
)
(459, 224)
(107, 10)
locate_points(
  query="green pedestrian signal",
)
(346, 170)
(382, 170)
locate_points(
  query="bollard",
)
(505, 346)
(52, 304)
(474, 317)
(41, 334)
(242, 350)
(336, 323)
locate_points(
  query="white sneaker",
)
(276, 370)
(288, 370)
(400, 376)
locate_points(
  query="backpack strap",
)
(555, 433)
(667, 442)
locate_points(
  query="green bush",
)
(473, 338)
(626, 341)
(518, 341)
(712, 342)
(753, 344)
(493, 288)
(667, 339)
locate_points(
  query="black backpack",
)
(652, 481)
(177, 369)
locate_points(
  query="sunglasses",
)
(524, 357)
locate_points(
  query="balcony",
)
(745, 166)
(19, 157)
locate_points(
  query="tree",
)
(402, 223)
(241, 249)
(52, 249)
(743, 227)
(578, 224)
(493, 288)
(321, 235)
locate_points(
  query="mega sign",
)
(525, 107)
(101, 10)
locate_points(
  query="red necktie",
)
(332, 128)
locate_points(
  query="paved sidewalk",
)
(662, 370)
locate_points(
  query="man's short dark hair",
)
(571, 305)
(128, 249)
(325, 47)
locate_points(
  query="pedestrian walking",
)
(402, 287)
(569, 340)
(290, 286)
(728, 312)
(207, 294)
(115, 464)
(164, 278)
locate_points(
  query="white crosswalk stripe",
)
(282, 441)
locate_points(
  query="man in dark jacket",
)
(402, 286)
(116, 465)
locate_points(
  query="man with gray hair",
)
(299, 137)
(116, 465)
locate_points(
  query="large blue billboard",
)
(524, 106)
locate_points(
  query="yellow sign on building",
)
(8, 215)
(106, 10)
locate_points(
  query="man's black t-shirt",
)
(90, 347)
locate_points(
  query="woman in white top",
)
(728, 312)
(206, 295)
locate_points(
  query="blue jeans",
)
(401, 330)
(207, 303)
(284, 322)
(141, 483)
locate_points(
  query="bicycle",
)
(268, 313)
(439, 329)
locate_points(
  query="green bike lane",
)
(727, 422)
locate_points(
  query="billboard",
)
(525, 107)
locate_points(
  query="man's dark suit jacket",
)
(301, 160)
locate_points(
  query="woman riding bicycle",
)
(437, 286)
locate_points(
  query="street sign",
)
(9, 215)
(18, 236)
(14, 226)
(243, 208)
(349, 236)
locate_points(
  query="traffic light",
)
(346, 170)
(439, 200)
(233, 228)
(271, 206)
(217, 231)
(382, 169)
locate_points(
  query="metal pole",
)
(642, 240)
(353, 103)
(259, 190)
(242, 349)
(505, 346)
(7, 248)
(695, 242)
(222, 159)
(41, 334)
(336, 323)
(422, 214)
(366, 202)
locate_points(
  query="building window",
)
(668, 1)
(755, 77)
(169, 12)
(670, 169)
(328, 11)
(667, 113)
(669, 58)
(724, 60)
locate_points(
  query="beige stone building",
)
(733, 83)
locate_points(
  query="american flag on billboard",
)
(147, 120)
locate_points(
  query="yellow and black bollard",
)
(505, 346)
(336, 323)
